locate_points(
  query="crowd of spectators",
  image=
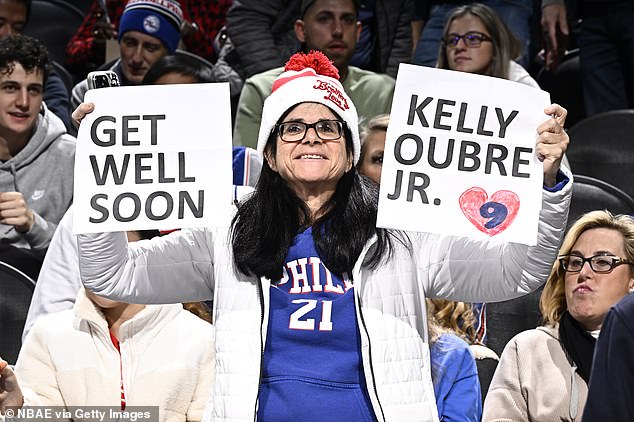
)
(120, 349)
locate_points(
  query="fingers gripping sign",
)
(80, 112)
(552, 142)
(472, 161)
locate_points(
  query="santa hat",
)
(308, 78)
(159, 18)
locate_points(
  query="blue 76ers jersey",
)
(312, 358)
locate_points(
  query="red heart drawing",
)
(490, 216)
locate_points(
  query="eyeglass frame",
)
(616, 261)
(483, 37)
(341, 124)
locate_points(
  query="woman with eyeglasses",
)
(476, 40)
(319, 314)
(543, 373)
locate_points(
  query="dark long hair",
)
(268, 221)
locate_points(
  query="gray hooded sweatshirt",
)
(43, 173)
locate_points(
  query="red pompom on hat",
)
(308, 78)
(316, 60)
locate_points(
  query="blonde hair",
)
(506, 47)
(434, 329)
(456, 317)
(552, 302)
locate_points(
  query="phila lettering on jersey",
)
(305, 276)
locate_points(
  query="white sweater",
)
(390, 301)
(518, 74)
(166, 360)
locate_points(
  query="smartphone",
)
(102, 79)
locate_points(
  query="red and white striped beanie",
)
(308, 78)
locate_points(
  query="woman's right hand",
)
(80, 112)
(10, 393)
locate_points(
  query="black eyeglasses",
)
(599, 263)
(326, 130)
(471, 39)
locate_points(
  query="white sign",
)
(154, 157)
(459, 156)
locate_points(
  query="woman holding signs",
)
(319, 314)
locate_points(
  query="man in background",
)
(86, 50)
(14, 15)
(36, 156)
(148, 30)
(332, 27)
(606, 49)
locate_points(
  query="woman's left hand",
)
(552, 142)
